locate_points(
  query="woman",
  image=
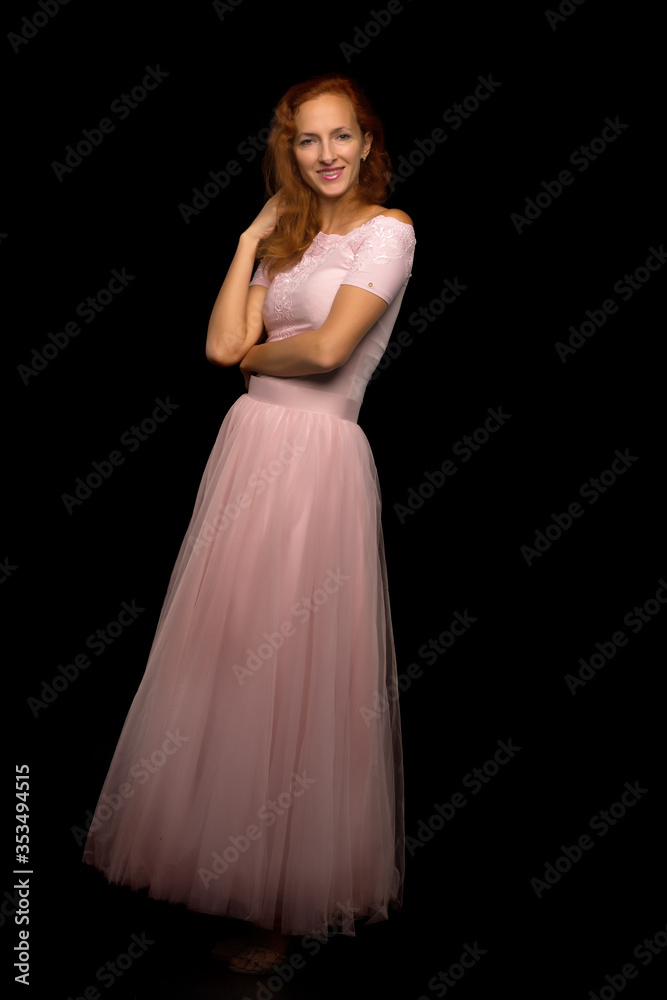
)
(259, 772)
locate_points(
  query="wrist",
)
(246, 363)
(249, 239)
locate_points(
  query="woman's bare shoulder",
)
(395, 213)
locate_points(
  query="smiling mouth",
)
(331, 175)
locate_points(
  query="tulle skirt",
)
(259, 773)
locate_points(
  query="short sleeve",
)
(260, 276)
(383, 260)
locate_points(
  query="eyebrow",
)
(339, 128)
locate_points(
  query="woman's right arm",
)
(236, 322)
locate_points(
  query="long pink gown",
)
(259, 772)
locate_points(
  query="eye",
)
(341, 135)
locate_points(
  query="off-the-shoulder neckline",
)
(341, 236)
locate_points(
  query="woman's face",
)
(328, 145)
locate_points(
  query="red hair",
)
(298, 224)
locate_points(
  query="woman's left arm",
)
(353, 313)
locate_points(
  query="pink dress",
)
(259, 772)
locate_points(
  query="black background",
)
(67, 573)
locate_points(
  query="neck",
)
(335, 216)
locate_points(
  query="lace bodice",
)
(376, 256)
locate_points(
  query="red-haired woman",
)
(259, 772)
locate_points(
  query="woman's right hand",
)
(267, 220)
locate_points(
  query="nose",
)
(326, 153)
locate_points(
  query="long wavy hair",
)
(298, 224)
